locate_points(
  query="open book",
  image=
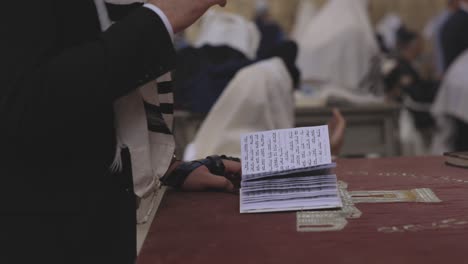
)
(288, 170)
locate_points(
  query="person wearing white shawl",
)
(339, 47)
(387, 28)
(451, 110)
(152, 147)
(151, 151)
(225, 29)
(65, 83)
(305, 13)
(259, 98)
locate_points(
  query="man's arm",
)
(129, 54)
(81, 79)
(70, 85)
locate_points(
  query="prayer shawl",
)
(306, 11)
(259, 98)
(144, 120)
(451, 102)
(339, 46)
(224, 29)
(387, 28)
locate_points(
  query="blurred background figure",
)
(387, 29)
(405, 85)
(433, 32)
(271, 32)
(259, 98)
(404, 81)
(367, 57)
(455, 34)
(451, 109)
(226, 43)
(339, 47)
(306, 11)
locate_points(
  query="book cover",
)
(458, 159)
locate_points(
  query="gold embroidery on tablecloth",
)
(329, 220)
(426, 178)
(336, 220)
(422, 195)
(452, 223)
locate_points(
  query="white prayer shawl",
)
(146, 133)
(451, 102)
(339, 46)
(388, 28)
(305, 13)
(259, 98)
(221, 28)
(143, 128)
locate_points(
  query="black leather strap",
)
(224, 157)
(214, 164)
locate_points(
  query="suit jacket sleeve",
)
(49, 94)
(38, 81)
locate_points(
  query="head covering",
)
(387, 29)
(221, 28)
(261, 6)
(405, 37)
(259, 98)
(339, 45)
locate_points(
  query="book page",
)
(289, 194)
(285, 150)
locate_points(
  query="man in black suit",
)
(454, 44)
(59, 78)
(454, 36)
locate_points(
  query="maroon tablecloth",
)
(207, 228)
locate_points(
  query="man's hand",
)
(201, 179)
(337, 127)
(183, 13)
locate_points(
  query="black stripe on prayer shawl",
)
(155, 120)
(164, 87)
(167, 109)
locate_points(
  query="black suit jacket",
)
(59, 77)
(455, 37)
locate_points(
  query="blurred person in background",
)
(271, 32)
(405, 84)
(454, 35)
(433, 32)
(339, 49)
(451, 109)
(387, 29)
